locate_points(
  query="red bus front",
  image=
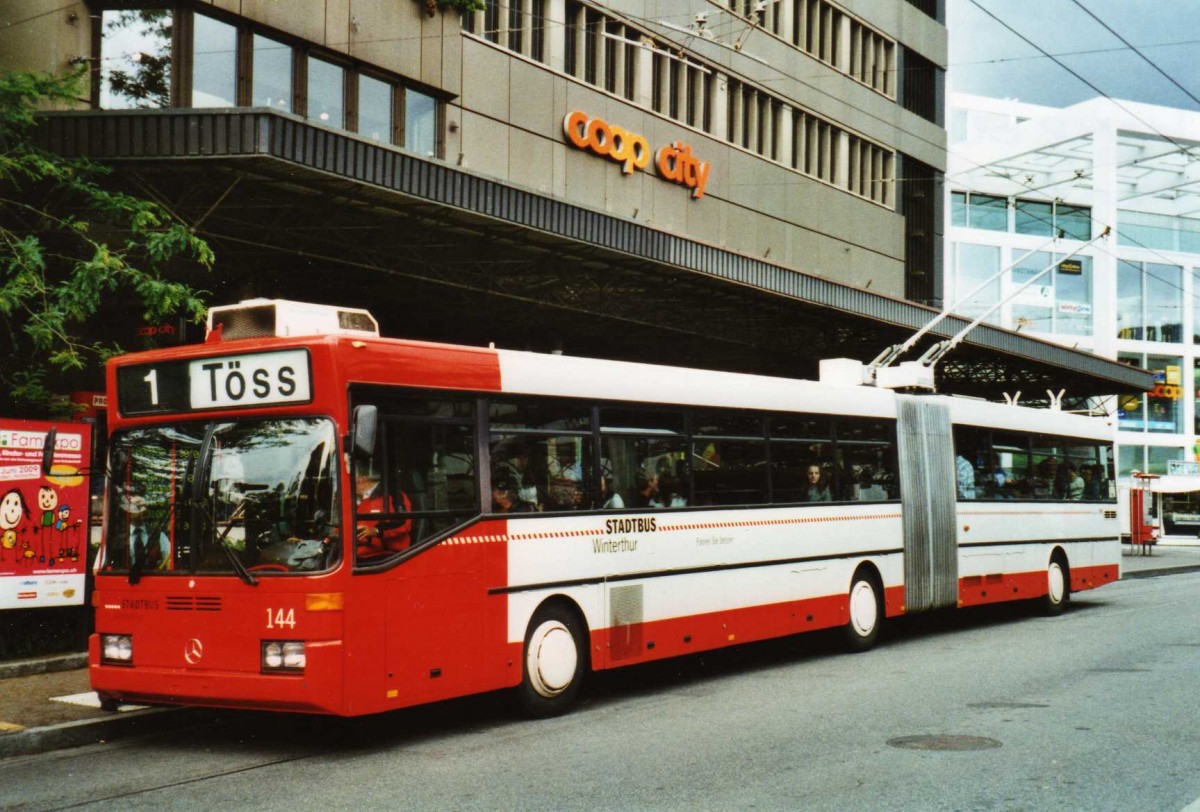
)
(222, 574)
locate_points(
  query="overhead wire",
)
(1123, 237)
(1136, 51)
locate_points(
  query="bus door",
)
(927, 499)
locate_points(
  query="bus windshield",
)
(248, 497)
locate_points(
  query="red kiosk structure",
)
(1144, 528)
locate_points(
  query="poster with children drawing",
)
(43, 518)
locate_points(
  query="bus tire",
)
(554, 662)
(1058, 586)
(866, 613)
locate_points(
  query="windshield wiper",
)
(201, 499)
(230, 552)
(138, 556)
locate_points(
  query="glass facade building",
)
(1034, 184)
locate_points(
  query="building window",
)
(326, 93)
(872, 58)
(374, 109)
(1048, 219)
(420, 123)
(972, 210)
(1160, 410)
(929, 7)
(601, 51)
(1059, 301)
(1149, 301)
(919, 83)
(271, 85)
(1196, 309)
(224, 64)
(973, 266)
(136, 59)
(214, 63)
(1034, 217)
(1146, 459)
(520, 29)
(1159, 231)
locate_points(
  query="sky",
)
(989, 60)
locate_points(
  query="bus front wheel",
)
(554, 663)
(866, 613)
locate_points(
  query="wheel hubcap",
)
(1058, 583)
(552, 658)
(864, 608)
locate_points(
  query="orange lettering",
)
(628, 149)
(675, 162)
(667, 162)
(575, 127)
(702, 170)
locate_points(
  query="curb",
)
(1154, 573)
(93, 731)
(43, 665)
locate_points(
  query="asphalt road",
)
(982, 710)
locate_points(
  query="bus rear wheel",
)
(866, 613)
(554, 663)
(1058, 587)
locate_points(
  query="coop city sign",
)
(674, 162)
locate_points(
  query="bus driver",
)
(378, 537)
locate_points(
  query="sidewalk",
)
(47, 704)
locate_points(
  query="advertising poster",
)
(43, 519)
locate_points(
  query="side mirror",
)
(48, 450)
(362, 432)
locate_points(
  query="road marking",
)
(90, 699)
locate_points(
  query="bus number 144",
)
(281, 618)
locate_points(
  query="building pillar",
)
(719, 105)
(526, 25)
(785, 135)
(841, 169)
(787, 18)
(644, 75)
(555, 26)
(1104, 260)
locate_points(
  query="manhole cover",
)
(944, 741)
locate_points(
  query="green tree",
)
(75, 252)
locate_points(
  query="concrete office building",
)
(1018, 174)
(736, 184)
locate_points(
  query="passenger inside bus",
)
(647, 490)
(152, 553)
(818, 485)
(1070, 484)
(505, 498)
(378, 537)
(670, 492)
(610, 499)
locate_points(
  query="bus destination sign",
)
(223, 382)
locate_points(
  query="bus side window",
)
(867, 461)
(424, 471)
(975, 471)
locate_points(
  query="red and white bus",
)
(347, 524)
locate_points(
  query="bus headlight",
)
(116, 649)
(283, 655)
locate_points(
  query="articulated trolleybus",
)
(304, 516)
